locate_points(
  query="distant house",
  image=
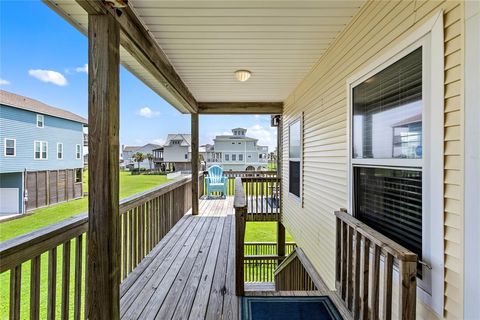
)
(129, 151)
(175, 153)
(41, 156)
(237, 152)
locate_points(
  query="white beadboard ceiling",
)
(279, 41)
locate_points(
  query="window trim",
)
(14, 148)
(41, 143)
(78, 154)
(60, 144)
(43, 121)
(430, 35)
(298, 199)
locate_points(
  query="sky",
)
(44, 58)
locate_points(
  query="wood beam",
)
(103, 261)
(240, 107)
(137, 40)
(194, 161)
(280, 239)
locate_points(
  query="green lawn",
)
(129, 185)
(263, 232)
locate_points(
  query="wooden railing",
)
(45, 254)
(262, 198)
(232, 175)
(261, 260)
(360, 250)
(294, 274)
(240, 206)
(266, 248)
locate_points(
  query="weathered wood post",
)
(240, 213)
(194, 161)
(103, 261)
(280, 239)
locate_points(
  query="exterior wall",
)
(21, 125)
(127, 156)
(322, 97)
(13, 180)
(247, 147)
(175, 153)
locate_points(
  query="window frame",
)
(78, 152)
(42, 142)
(298, 199)
(429, 35)
(59, 144)
(42, 121)
(14, 148)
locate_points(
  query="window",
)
(240, 157)
(234, 157)
(10, 147)
(78, 151)
(41, 149)
(40, 122)
(186, 155)
(59, 150)
(227, 157)
(78, 175)
(294, 158)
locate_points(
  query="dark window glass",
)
(387, 112)
(390, 201)
(294, 178)
(78, 175)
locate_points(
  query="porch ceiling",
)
(279, 41)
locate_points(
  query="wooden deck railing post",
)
(280, 239)
(103, 262)
(240, 212)
(194, 162)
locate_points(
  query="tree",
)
(149, 157)
(138, 157)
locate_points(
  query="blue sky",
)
(43, 57)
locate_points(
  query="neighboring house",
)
(175, 154)
(41, 156)
(237, 152)
(129, 151)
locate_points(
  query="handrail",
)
(357, 272)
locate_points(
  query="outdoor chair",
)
(216, 181)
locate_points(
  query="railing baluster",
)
(365, 277)
(66, 280)
(356, 275)
(78, 278)
(35, 288)
(374, 281)
(15, 291)
(387, 286)
(52, 283)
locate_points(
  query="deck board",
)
(189, 274)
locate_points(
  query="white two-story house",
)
(237, 152)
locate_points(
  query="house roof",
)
(29, 104)
(184, 137)
(137, 148)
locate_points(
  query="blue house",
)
(41, 157)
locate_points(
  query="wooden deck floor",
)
(190, 273)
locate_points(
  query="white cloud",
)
(4, 82)
(84, 68)
(146, 112)
(266, 135)
(49, 76)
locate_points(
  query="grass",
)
(263, 232)
(129, 185)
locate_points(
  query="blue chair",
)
(216, 181)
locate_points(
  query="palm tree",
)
(138, 157)
(149, 157)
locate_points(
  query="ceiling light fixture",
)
(242, 75)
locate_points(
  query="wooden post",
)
(103, 261)
(194, 163)
(240, 206)
(280, 239)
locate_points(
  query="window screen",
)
(390, 201)
(294, 153)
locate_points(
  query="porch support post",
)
(194, 160)
(103, 260)
(280, 239)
